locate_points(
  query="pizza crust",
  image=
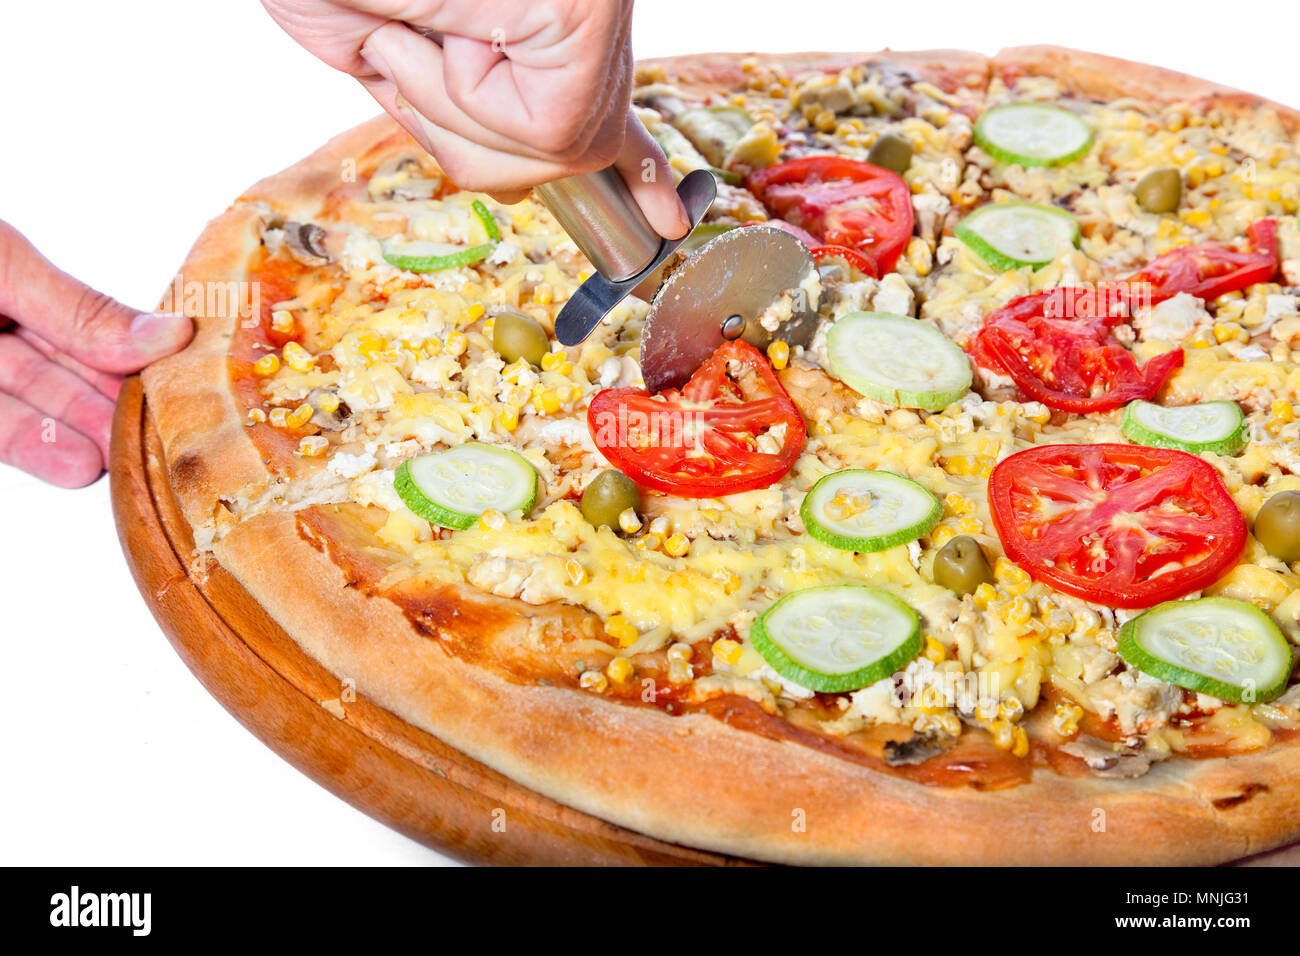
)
(1093, 75)
(692, 779)
(698, 781)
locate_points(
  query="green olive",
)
(1160, 190)
(608, 496)
(891, 152)
(1277, 526)
(961, 566)
(517, 336)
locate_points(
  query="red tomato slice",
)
(1210, 269)
(701, 442)
(1122, 525)
(1059, 352)
(843, 202)
(854, 258)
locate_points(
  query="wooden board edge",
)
(417, 801)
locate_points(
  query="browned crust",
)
(709, 71)
(695, 780)
(209, 455)
(300, 190)
(1101, 77)
(692, 779)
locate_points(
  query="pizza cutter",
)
(746, 283)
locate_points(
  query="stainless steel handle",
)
(599, 214)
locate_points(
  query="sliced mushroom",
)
(917, 749)
(306, 242)
(660, 96)
(1105, 760)
(334, 421)
(402, 178)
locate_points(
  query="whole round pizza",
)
(997, 565)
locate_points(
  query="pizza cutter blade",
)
(590, 213)
(735, 286)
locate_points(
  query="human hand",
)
(517, 93)
(63, 350)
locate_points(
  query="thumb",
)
(88, 325)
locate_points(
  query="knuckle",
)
(94, 316)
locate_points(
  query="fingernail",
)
(375, 60)
(151, 329)
(683, 217)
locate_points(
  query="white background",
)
(125, 126)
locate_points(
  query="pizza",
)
(998, 567)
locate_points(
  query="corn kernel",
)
(984, 595)
(456, 344)
(1004, 737)
(1018, 612)
(649, 542)
(620, 670)
(679, 672)
(508, 418)
(1224, 331)
(327, 402)
(255, 416)
(961, 465)
(576, 572)
(941, 536)
(279, 417)
(727, 651)
(473, 313)
(660, 526)
(1011, 709)
(433, 347)
(918, 255)
(1283, 411)
(282, 321)
(300, 416)
(628, 521)
(1020, 742)
(268, 364)
(491, 520)
(298, 358)
(553, 360)
(677, 545)
(1066, 719)
(594, 681)
(1008, 572)
(368, 343)
(546, 401)
(970, 526)
(934, 650)
(729, 579)
(680, 652)
(313, 446)
(622, 630)
(779, 354)
(959, 504)
(543, 294)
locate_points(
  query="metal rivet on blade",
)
(733, 327)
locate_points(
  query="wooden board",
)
(396, 773)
